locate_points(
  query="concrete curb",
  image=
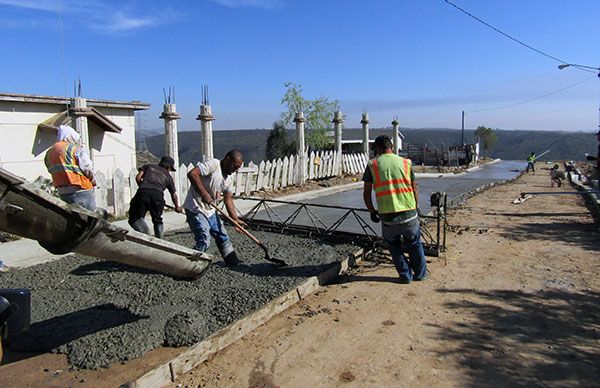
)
(591, 194)
(449, 174)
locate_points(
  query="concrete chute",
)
(61, 228)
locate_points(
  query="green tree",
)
(487, 137)
(317, 112)
(277, 142)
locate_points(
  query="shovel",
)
(279, 262)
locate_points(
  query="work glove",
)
(375, 216)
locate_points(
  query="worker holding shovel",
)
(531, 163)
(210, 180)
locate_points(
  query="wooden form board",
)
(165, 374)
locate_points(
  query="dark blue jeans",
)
(415, 267)
(83, 198)
(203, 227)
(531, 166)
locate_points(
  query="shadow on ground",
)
(49, 334)
(582, 234)
(549, 337)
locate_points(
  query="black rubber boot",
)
(231, 260)
(159, 230)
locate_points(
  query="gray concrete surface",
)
(454, 185)
(100, 312)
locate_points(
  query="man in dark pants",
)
(152, 180)
(392, 179)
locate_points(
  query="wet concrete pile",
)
(99, 312)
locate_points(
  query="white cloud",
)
(265, 4)
(121, 22)
(98, 15)
(40, 5)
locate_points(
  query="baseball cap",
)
(168, 161)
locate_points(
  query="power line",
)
(62, 51)
(531, 99)
(510, 37)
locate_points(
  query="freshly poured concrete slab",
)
(99, 312)
(453, 185)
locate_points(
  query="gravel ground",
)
(98, 312)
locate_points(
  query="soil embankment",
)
(516, 302)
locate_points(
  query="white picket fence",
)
(114, 194)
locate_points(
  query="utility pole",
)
(462, 136)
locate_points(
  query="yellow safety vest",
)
(392, 183)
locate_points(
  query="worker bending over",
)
(152, 180)
(392, 179)
(210, 181)
(556, 176)
(71, 169)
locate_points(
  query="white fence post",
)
(284, 172)
(119, 196)
(101, 190)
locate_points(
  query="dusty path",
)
(517, 303)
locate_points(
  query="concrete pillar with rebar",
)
(365, 132)
(337, 121)
(206, 118)
(300, 147)
(79, 112)
(396, 136)
(170, 116)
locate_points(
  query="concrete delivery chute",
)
(61, 228)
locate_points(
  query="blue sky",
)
(421, 60)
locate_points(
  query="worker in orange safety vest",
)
(392, 179)
(71, 169)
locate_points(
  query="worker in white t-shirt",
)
(210, 181)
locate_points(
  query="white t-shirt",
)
(213, 182)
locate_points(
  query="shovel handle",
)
(237, 224)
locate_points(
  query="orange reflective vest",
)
(64, 166)
(392, 183)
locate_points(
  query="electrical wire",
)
(514, 39)
(531, 99)
(62, 52)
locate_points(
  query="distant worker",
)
(531, 162)
(596, 158)
(556, 176)
(71, 169)
(152, 180)
(393, 180)
(210, 180)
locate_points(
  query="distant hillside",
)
(511, 145)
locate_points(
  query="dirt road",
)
(516, 302)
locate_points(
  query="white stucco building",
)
(28, 128)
